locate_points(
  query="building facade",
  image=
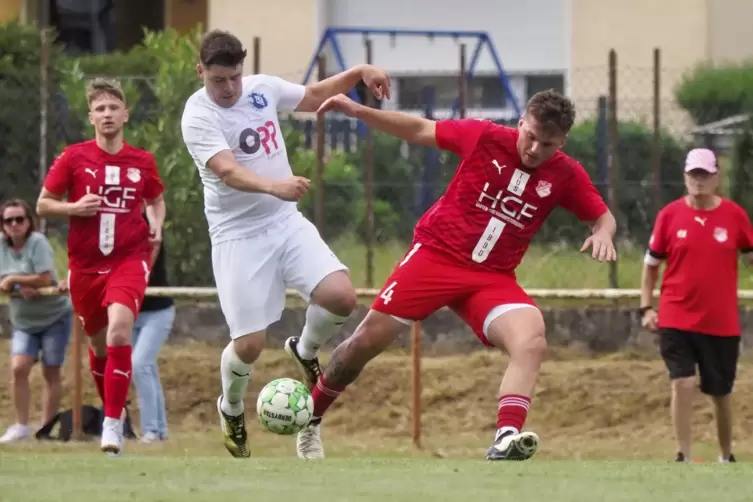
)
(562, 44)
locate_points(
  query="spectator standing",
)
(699, 237)
(41, 325)
(150, 331)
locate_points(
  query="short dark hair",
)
(552, 110)
(27, 212)
(221, 48)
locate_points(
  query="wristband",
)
(642, 311)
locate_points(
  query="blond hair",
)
(101, 86)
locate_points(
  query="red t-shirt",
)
(494, 205)
(124, 180)
(699, 286)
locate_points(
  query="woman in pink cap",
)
(699, 237)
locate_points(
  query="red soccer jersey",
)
(124, 180)
(699, 286)
(494, 205)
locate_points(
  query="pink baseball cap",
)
(701, 158)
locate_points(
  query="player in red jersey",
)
(467, 246)
(106, 183)
(699, 236)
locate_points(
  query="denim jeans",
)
(50, 342)
(149, 335)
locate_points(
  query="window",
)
(102, 26)
(538, 83)
(482, 91)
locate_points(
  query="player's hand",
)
(86, 206)
(650, 320)
(155, 235)
(291, 189)
(340, 103)
(28, 293)
(603, 247)
(63, 285)
(377, 80)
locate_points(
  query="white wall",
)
(529, 35)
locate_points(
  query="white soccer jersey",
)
(251, 130)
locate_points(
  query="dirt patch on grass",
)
(616, 396)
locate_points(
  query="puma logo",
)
(700, 220)
(93, 172)
(126, 374)
(499, 168)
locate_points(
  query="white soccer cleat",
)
(16, 432)
(113, 438)
(513, 446)
(309, 443)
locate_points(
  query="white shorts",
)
(252, 274)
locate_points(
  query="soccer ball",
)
(285, 406)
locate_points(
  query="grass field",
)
(603, 422)
(89, 478)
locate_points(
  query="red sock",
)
(117, 379)
(512, 411)
(324, 395)
(97, 368)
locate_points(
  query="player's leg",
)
(372, 336)
(504, 316)
(252, 296)
(309, 266)
(718, 358)
(126, 285)
(677, 350)
(519, 329)
(419, 285)
(87, 292)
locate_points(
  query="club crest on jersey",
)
(543, 188)
(720, 234)
(133, 174)
(258, 100)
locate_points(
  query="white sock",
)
(235, 376)
(321, 325)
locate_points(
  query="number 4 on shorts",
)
(386, 294)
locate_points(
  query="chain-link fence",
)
(370, 189)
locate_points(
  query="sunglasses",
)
(14, 219)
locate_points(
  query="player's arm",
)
(655, 255)
(605, 225)
(745, 236)
(583, 200)
(205, 142)
(51, 201)
(318, 92)
(156, 211)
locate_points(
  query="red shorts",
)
(427, 280)
(92, 293)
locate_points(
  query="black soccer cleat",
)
(234, 432)
(513, 446)
(309, 368)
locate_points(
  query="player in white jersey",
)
(261, 243)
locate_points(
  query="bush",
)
(20, 104)
(712, 93)
(635, 179)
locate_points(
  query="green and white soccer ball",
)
(285, 406)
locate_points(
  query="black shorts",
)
(716, 357)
